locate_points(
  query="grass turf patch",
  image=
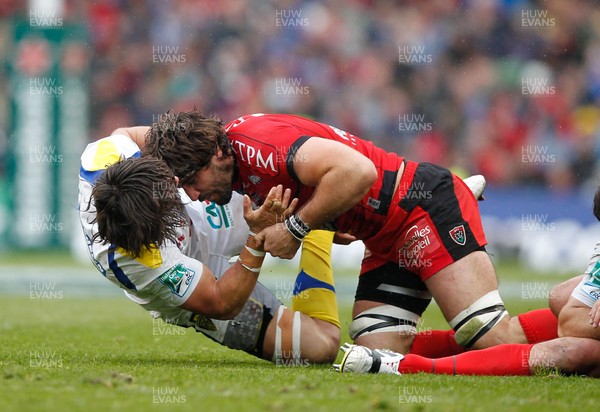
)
(107, 354)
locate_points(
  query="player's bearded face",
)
(214, 182)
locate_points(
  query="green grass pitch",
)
(105, 354)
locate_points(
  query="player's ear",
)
(177, 181)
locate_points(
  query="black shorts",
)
(433, 222)
(394, 285)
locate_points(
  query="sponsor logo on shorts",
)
(594, 277)
(417, 239)
(595, 294)
(459, 235)
(202, 322)
(178, 279)
(374, 203)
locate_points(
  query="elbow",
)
(215, 309)
(371, 173)
(227, 311)
(366, 175)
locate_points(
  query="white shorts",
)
(588, 290)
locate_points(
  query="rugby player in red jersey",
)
(575, 302)
(419, 222)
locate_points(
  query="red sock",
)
(501, 360)
(435, 344)
(539, 325)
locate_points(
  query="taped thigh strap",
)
(384, 318)
(478, 319)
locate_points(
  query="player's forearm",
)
(338, 191)
(236, 284)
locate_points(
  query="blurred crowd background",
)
(506, 88)
(448, 82)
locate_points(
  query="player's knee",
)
(573, 322)
(300, 339)
(385, 327)
(564, 329)
(399, 342)
(325, 344)
(484, 323)
(567, 324)
(559, 296)
(554, 302)
(506, 331)
(331, 343)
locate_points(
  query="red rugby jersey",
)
(265, 145)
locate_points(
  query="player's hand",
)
(595, 314)
(279, 242)
(276, 208)
(343, 238)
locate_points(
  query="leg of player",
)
(389, 303)
(295, 339)
(474, 309)
(574, 320)
(567, 355)
(310, 331)
(539, 325)
(559, 295)
(499, 360)
(390, 333)
(467, 293)
(440, 343)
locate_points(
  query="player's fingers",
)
(343, 238)
(259, 240)
(285, 201)
(276, 206)
(595, 315)
(260, 237)
(291, 208)
(279, 192)
(270, 198)
(247, 204)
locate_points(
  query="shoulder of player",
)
(146, 268)
(98, 155)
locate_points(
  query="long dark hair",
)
(186, 141)
(137, 205)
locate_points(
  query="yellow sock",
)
(314, 292)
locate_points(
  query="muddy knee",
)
(478, 319)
